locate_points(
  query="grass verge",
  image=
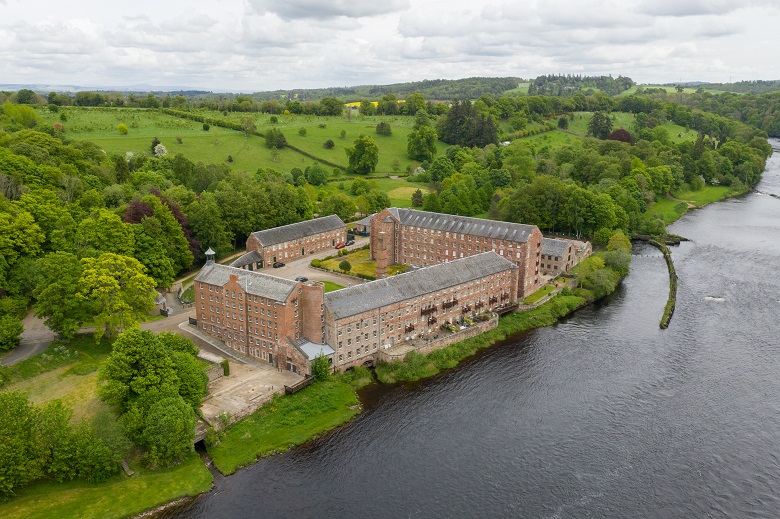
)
(121, 496)
(330, 286)
(288, 421)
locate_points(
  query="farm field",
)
(248, 153)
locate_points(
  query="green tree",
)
(25, 96)
(168, 432)
(207, 224)
(155, 143)
(139, 364)
(338, 204)
(151, 253)
(383, 128)
(55, 296)
(431, 203)
(414, 103)
(122, 129)
(421, 144)
(417, 198)
(248, 126)
(363, 155)
(119, 289)
(275, 139)
(320, 368)
(345, 266)
(329, 144)
(10, 332)
(331, 106)
(367, 107)
(21, 456)
(316, 175)
(600, 125)
(104, 231)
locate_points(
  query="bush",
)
(328, 145)
(225, 367)
(122, 129)
(316, 263)
(274, 119)
(384, 128)
(206, 127)
(10, 332)
(320, 368)
(302, 132)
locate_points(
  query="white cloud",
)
(252, 45)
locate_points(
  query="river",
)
(602, 415)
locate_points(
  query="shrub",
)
(122, 129)
(316, 263)
(225, 367)
(320, 368)
(329, 144)
(10, 332)
(383, 128)
(274, 119)
(206, 127)
(302, 132)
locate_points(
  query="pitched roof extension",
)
(298, 230)
(382, 292)
(255, 283)
(554, 247)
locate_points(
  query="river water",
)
(602, 415)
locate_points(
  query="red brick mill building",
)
(420, 238)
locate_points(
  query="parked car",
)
(341, 245)
(302, 279)
(278, 264)
(350, 242)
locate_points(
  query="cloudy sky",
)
(253, 45)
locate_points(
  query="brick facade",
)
(357, 338)
(234, 308)
(394, 242)
(293, 241)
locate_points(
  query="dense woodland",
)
(86, 237)
(568, 85)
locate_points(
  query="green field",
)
(248, 153)
(672, 210)
(285, 422)
(121, 496)
(669, 90)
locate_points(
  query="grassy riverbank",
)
(121, 496)
(288, 421)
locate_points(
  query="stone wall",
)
(427, 346)
(215, 373)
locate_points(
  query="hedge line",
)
(672, 300)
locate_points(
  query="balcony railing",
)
(429, 310)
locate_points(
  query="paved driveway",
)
(301, 267)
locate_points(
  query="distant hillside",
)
(759, 86)
(560, 85)
(438, 89)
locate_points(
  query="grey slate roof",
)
(312, 350)
(366, 222)
(516, 232)
(246, 259)
(382, 292)
(555, 247)
(256, 283)
(298, 230)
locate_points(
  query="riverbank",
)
(121, 496)
(288, 421)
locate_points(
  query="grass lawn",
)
(330, 286)
(704, 196)
(522, 89)
(285, 422)
(539, 294)
(121, 496)
(360, 260)
(671, 210)
(249, 153)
